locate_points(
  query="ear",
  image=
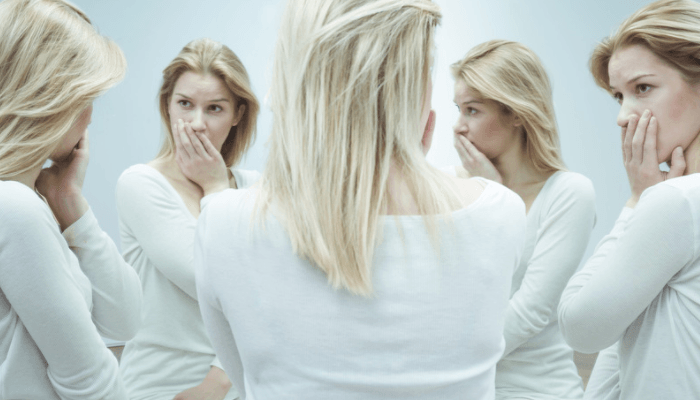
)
(239, 114)
(517, 121)
(427, 138)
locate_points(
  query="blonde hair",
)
(206, 56)
(53, 64)
(512, 75)
(348, 83)
(668, 28)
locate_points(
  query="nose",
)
(460, 126)
(627, 110)
(197, 122)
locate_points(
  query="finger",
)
(188, 150)
(196, 142)
(473, 151)
(677, 163)
(650, 155)
(176, 137)
(638, 139)
(623, 131)
(208, 146)
(464, 144)
(631, 126)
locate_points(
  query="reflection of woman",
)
(641, 287)
(209, 109)
(507, 132)
(62, 280)
(325, 281)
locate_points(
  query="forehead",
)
(632, 61)
(464, 93)
(193, 84)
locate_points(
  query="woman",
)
(507, 132)
(63, 282)
(205, 100)
(641, 285)
(355, 270)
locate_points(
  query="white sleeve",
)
(156, 220)
(628, 269)
(563, 235)
(37, 283)
(215, 322)
(604, 383)
(116, 288)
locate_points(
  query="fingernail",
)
(646, 113)
(653, 119)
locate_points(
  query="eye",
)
(184, 103)
(618, 97)
(642, 88)
(215, 108)
(471, 111)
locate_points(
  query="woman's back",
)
(432, 328)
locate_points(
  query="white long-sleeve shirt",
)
(604, 383)
(537, 363)
(171, 352)
(59, 292)
(642, 287)
(432, 329)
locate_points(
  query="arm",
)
(154, 217)
(628, 269)
(215, 321)
(116, 288)
(562, 238)
(605, 378)
(37, 282)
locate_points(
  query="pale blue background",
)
(126, 127)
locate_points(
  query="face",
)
(639, 80)
(73, 136)
(206, 103)
(484, 122)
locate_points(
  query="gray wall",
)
(126, 126)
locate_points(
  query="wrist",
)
(214, 188)
(68, 209)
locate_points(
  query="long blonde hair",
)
(53, 64)
(512, 75)
(349, 77)
(668, 28)
(206, 56)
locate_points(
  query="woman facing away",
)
(63, 282)
(354, 269)
(641, 287)
(507, 132)
(207, 105)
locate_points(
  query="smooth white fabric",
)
(58, 293)
(171, 352)
(538, 364)
(642, 287)
(432, 329)
(604, 383)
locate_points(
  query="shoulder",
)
(22, 211)
(246, 178)
(572, 183)
(684, 190)
(139, 174)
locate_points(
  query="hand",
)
(215, 386)
(474, 161)
(198, 159)
(62, 184)
(640, 157)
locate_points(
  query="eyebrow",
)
(210, 101)
(469, 102)
(633, 79)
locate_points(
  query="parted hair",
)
(208, 57)
(348, 85)
(512, 75)
(668, 28)
(53, 64)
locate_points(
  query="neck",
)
(692, 157)
(28, 178)
(515, 167)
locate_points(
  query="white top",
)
(642, 287)
(604, 383)
(432, 329)
(171, 352)
(58, 293)
(537, 363)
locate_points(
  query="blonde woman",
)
(641, 287)
(507, 132)
(63, 282)
(210, 113)
(355, 270)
